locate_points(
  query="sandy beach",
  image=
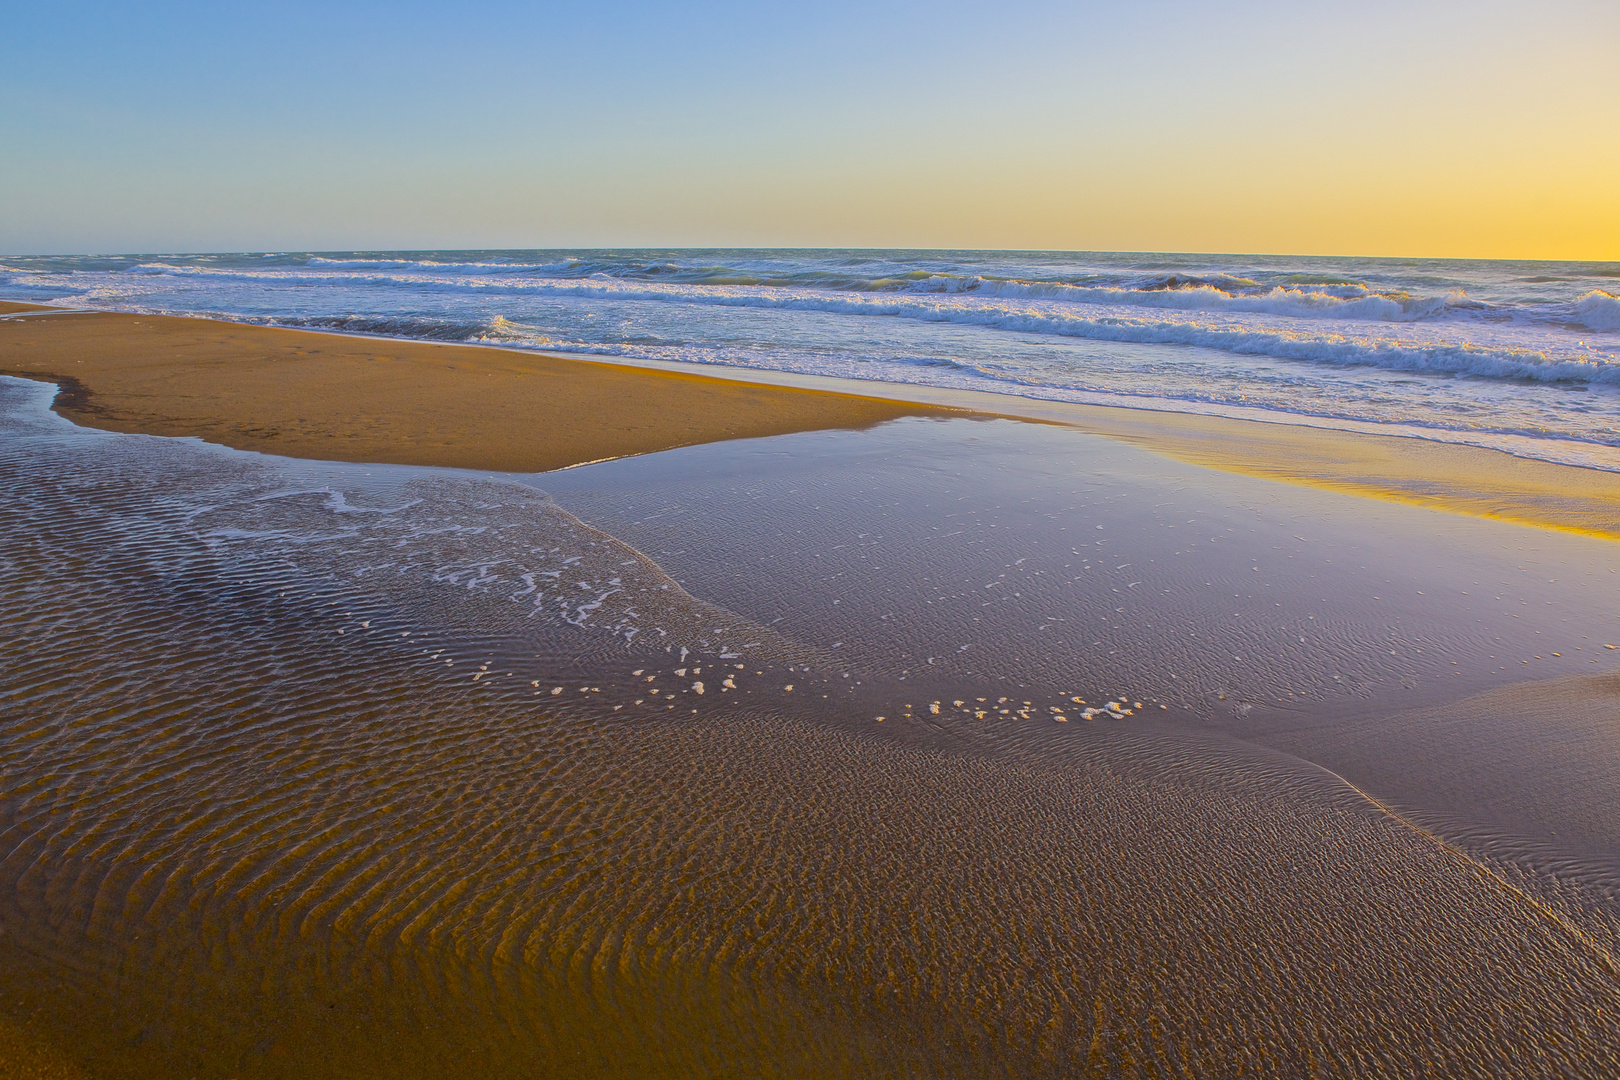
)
(802, 734)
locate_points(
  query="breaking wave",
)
(496, 330)
(1327, 298)
(1283, 342)
(1599, 310)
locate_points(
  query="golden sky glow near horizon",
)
(1485, 130)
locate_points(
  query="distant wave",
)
(1310, 303)
(1599, 310)
(358, 264)
(435, 266)
(1328, 298)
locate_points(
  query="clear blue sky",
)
(1489, 129)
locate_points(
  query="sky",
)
(1486, 130)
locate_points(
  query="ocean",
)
(1517, 356)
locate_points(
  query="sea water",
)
(1520, 356)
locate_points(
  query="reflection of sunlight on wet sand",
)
(1456, 479)
(1447, 476)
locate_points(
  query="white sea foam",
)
(1310, 303)
(361, 264)
(1599, 310)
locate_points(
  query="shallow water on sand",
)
(311, 769)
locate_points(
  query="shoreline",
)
(467, 433)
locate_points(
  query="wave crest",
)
(496, 329)
(1599, 310)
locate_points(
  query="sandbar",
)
(336, 397)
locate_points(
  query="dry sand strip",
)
(338, 397)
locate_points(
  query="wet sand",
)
(346, 770)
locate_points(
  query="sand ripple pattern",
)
(238, 843)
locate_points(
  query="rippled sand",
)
(286, 789)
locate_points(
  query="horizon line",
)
(793, 247)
